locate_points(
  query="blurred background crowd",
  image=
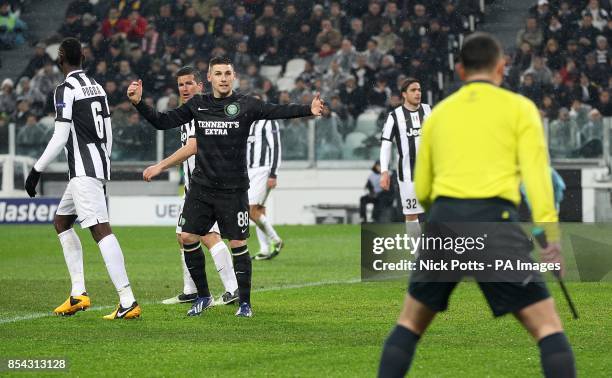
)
(355, 52)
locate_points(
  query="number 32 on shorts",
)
(411, 203)
(243, 219)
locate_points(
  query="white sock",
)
(267, 226)
(264, 245)
(115, 265)
(413, 230)
(73, 254)
(189, 286)
(223, 262)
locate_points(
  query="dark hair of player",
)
(219, 60)
(408, 82)
(72, 51)
(480, 52)
(189, 70)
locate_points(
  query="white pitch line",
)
(38, 315)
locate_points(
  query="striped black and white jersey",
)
(188, 131)
(404, 128)
(264, 146)
(81, 102)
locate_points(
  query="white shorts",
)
(258, 190)
(410, 204)
(85, 198)
(179, 226)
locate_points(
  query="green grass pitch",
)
(312, 316)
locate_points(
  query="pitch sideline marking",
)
(38, 315)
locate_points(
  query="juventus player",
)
(218, 191)
(83, 130)
(190, 83)
(263, 160)
(403, 127)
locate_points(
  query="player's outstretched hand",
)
(552, 254)
(316, 107)
(134, 91)
(151, 172)
(31, 182)
(385, 180)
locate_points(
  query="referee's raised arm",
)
(161, 121)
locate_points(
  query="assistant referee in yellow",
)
(476, 147)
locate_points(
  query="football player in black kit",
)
(220, 181)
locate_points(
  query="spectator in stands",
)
(388, 70)
(291, 21)
(241, 58)
(587, 91)
(586, 32)
(563, 133)
(215, 21)
(192, 16)
(541, 12)
(135, 26)
(31, 139)
(268, 18)
(111, 24)
(569, 72)
(243, 21)
(559, 90)
(227, 40)
(590, 131)
(579, 111)
(113, 95)
(599, 15)
(35, 97)
(597, 73)
(255, 79)
(164, 22)
(379, 94)
(542, 76)
(346, 57)
(317, 15)
(259, 42)
(387, 38)
(334, 77)
(298, 90)
(328, 141)
(364, 74)
(22, 111)
(531, 34)
(420, 19)
(572, 51)
(603, 104)
(353, 96)
(244, 86)
(102, 74)
(37, 61)
(80, 7)
(399, 54)
(373, 54)
(12, 28)
(553, 56)
(8, 98)
(357, 36)
(556, 31)
(328, 35)
(450, 20)
(71, 27)
(393, 15)
(139, 63)
(410, 37)
(125, 75)
(157, 80)
(602, 50)
(202, 41)
(347, 123)
(549, 109)
(373, 20)
(530, 89)
(338, 18)
(134, 141)
(323, 58)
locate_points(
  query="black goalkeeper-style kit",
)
(222, 128)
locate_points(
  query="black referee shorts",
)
(204, 207)
(434, 290)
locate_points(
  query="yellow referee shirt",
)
(480, 142)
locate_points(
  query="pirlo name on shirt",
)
(217, 127)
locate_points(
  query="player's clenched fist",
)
(134, 91)
(385, 180)
(316, 107)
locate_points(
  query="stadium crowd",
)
(354, 52)
(562, 62)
